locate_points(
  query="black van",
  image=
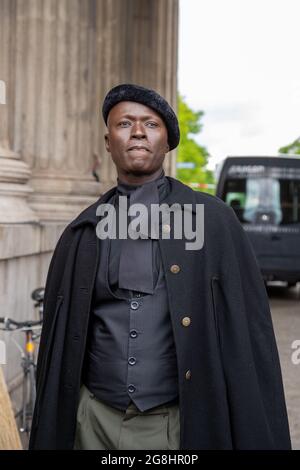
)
(265, 195)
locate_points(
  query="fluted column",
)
(14, 173)
(69, 54)
(137, 43)
(55, 104)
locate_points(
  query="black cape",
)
(234, 397)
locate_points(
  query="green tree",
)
(189, 150)
(293, 148)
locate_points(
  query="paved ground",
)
(285, 307)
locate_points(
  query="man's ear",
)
(167, 148)
(106, 139)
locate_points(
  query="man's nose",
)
(138, 130)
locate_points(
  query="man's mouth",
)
(138, 147)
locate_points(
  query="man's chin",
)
(140, 172)
(140, 169)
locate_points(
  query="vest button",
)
(186, 321)
(134, 305)
(132, 361)
(133, 334)
(188, 375)
(174, 268)
(131, 388)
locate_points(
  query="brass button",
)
(174, 268)
(186, 321)
(166, 228)
(188, 375)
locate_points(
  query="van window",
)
(264, 200)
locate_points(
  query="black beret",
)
(148, 97)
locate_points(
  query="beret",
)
(147, 97)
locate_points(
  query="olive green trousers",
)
(101, 427)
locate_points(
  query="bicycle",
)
(32, 330)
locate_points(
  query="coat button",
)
(133, 334)
(188, 375)
(166, 228)
(132, 361)
(174, 268)
(186, 321)
(134, 305)
(131, 388)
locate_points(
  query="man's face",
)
(137, 139)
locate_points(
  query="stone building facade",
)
(58, 58)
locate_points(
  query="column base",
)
(59, 198)
(14, 190)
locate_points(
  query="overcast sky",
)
(239, 62)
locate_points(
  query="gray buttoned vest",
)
(130, 352)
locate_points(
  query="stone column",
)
(14, 173)
(69, 54)
(55, 104)
(138, 43)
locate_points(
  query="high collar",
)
(126, 188)
(179, 194)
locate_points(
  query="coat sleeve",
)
(248, 347)
(41, 433)
(52, 286)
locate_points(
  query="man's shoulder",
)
(213, 203)
(211, 200)
(85, 217)
(89, 214)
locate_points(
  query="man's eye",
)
(151, 124)
(124, 123)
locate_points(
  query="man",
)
(147, 344)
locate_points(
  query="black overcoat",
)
(232, 397)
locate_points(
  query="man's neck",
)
(139, 179)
